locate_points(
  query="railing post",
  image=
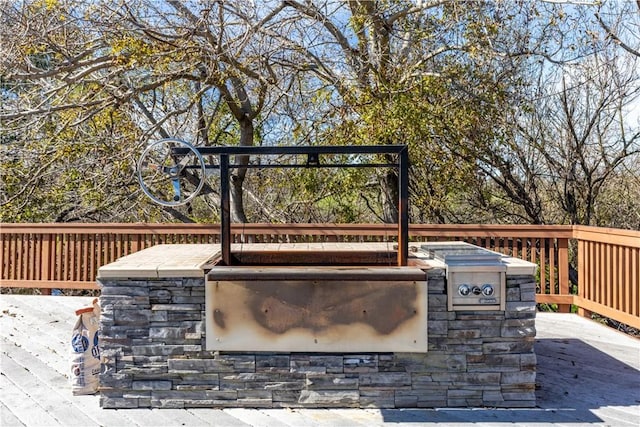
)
(582, 283)
(563, 272)
(4, 262)
(46, 261)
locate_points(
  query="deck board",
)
(161, 417)
(216, 417)
(312, 418)
(589, 368)
(61, 408)
(7, 418)
(23, 405)
(256, 417)
(588, 374)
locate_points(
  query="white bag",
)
(85, 351)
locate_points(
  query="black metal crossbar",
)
(296, 166)
(295, 149)
(313, 160)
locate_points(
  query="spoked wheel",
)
(171, 172)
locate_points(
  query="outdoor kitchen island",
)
(318, 325)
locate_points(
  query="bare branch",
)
(611, 34)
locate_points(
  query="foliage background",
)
(514, 112)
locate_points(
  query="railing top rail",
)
(106, 228)
(439, 230)
(492, 230)
(613, 236)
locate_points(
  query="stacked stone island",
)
(153, 343)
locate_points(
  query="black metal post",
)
(225, 211)
(403, 206)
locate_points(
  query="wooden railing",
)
(67, 256)
(608, 273)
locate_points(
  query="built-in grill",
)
(314, 324)
(475, 277)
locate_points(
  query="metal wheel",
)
(171, 172)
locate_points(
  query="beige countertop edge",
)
(149, 273)
(127, 272)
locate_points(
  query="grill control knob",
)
(476, 290)
(464, 290)
(487, 290)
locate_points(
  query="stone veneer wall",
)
(153, 337)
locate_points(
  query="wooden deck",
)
(587, 375)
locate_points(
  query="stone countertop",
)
(190, 260)
(160, 261)
(519, 267)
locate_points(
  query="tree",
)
(571, 134)
(58, 134)
(173, 68)
(586, 139)
(421, 73)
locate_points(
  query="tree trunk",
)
(238, 175)
(235, 192)
(389, 192)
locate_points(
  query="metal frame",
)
(313, 160)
